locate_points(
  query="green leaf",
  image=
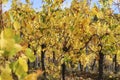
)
(71, 28)
(113, 26)
(12, 64)
(12, 52)
(20, 68)
(12, 49)
(9, 47)
(67, 58)
(17, 38)
(6, 53)
(30, 54)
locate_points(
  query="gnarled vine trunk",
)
(43, 62)
(93, 65)
(43, 46)
(115, 60)
(63, 66)
(53, 57)
(101, 57)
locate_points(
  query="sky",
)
(38, 3)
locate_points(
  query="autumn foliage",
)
(49, 43)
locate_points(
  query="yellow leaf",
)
(33, 76)
(4, 1)
(29, 28)
(16, 25)
(9, 44)
(2, 41)
(23, 63)
(95, 10)
(28, 1)
(18, 47)
(85, 21)
(8, 33)
(6, 73)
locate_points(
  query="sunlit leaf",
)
(8, 33)
(19, 69)
(2, 41)
(23, 63)
(16, 25)
(29, 53)
(6, 73)
(33, 76)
